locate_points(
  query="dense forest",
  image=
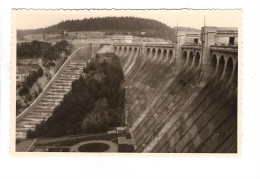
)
(111, 23)
(94, 104)
(153, 28)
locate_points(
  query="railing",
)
(229, 48)
(194, 46)
(146, 44)
(48, 86)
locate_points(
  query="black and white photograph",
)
(129, 89)
(127, 81)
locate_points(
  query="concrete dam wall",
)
(177, 102)
(177, 99)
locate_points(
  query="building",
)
(221, 36)
(122, 38)
(193, 39)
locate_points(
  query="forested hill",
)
(111, 23)
(106, 23)
(124, 25)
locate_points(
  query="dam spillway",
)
(176, 105)
(180, 98)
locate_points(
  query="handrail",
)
(37, 100)
(28, 150)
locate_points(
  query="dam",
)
(180, 97)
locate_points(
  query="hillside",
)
(123, 25)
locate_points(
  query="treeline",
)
(124, 25)
(111, 23)
(44, 50)
(31, 49)
(53, 52)
(29, 81)
(94, 104)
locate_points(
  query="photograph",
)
(126, 81)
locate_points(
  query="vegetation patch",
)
(94, 104)
(94, 147)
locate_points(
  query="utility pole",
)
(203, 40)
(177, 35)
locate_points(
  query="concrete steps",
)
(52, 98)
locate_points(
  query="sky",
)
(32, 19)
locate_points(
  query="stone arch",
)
(115, 47)
(197, 59)
(164, 53)
(170, 54)
(191, 55)
(221, 66)
(184, 57)
(125, 49)
(159, 52)
(214, 63)
(153, 52)
(148, 52)
(120, 48)
(135, 49)
(130, 48)
(229, 68)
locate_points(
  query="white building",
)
(122, 38)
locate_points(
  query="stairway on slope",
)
(52, 98)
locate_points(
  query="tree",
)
(40, 72)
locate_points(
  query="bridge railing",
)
(141, 44)
(226, 48)
(48, 86)
(195, 46)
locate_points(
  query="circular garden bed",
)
(93, 147)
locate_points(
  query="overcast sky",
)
(26, 19)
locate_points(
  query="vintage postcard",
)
(126, 81)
